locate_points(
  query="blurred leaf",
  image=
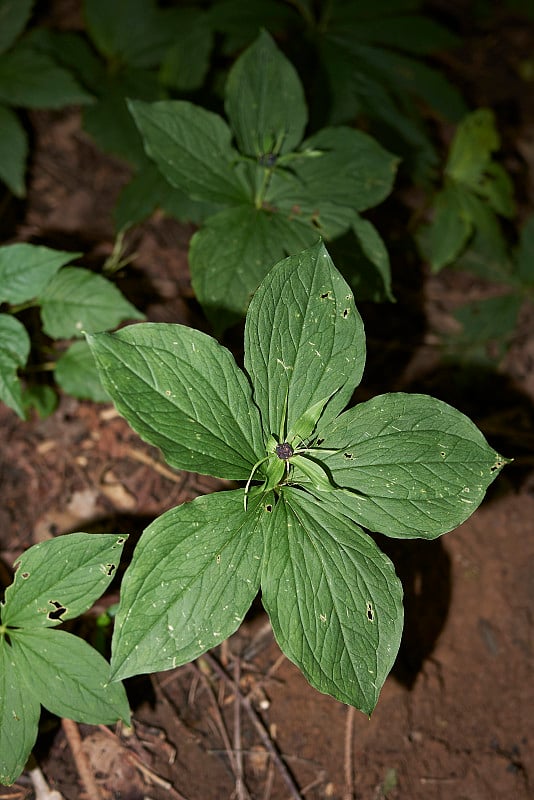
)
(13, 152)
(132, 32)
(487, 327)
(525, 253)
(26, 269)
(149, 190)
(77, 374)
(109, 120)
(14, 14)
(233, 252)
(77, 300)
(241, 21)
(475, 140)
(31, 79)
(185, 64)
(41, 398)
(14, 352)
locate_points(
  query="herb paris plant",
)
(405, 465)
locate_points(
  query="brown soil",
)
(455, 717)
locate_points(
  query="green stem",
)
(23, 306)
(260, 194)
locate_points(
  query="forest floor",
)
(454, 719)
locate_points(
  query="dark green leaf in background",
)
(26, 269)
(192, 147)
(13, 152)
(77, 374)
(232, 253)
(14, 14)
(525, 254)
(77, 301)
(265, 101)
(14, 352)
(31, 79)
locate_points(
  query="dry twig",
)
(259, 726)
(72, 733)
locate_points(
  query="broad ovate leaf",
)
(304, 340)
(182, 392)
(61, 578)
(407, 465)
(26, 269)
(265, 101)
(333, 599)
(233, 252)
(68, 677)
(19, 717)
(77, 301)
(192, 148)
(193, 577)
(343, 166)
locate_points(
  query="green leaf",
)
(410, 32)
(193, 577)
(373, 250)
(14, 14)
(68, 677)
(525, 254)
(149, 190)
(77, 300)
(41, 398)
(61, 578)
(333, 599)
(13, 151)
(497, 187)
(232, 253)
(31, 79)
(14, 352)
(413, 465)
(192, 147)
(448, 234)
(265, 101)
(19, 717)
(132, 32)
(186, 63)
(487, 327)
(26, 269)
(182, 392)
(77, 374)
(240, 21)
(348, 168)
(121, 138)
(304, 340)
(475, 140)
